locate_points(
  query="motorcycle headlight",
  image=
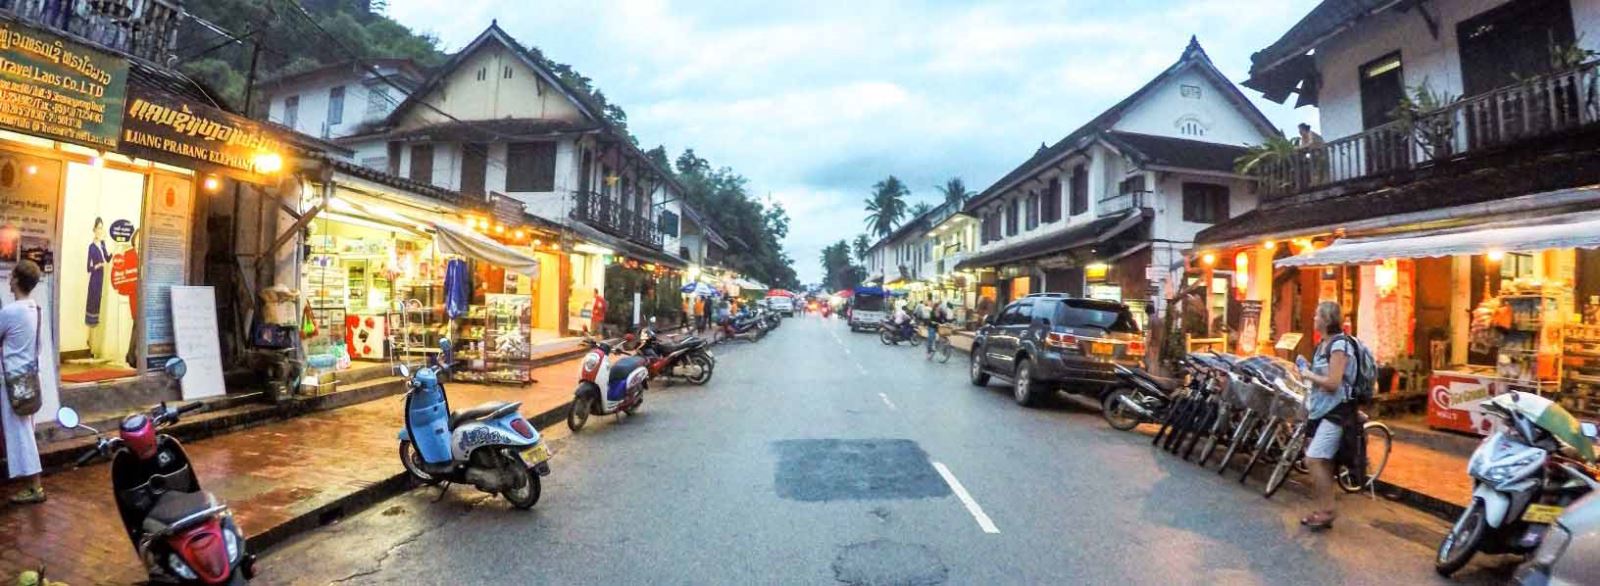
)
(591, 361)
(1555, 544)
(180, 568)
(230, 538)
(1504, 472)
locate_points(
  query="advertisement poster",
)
(1249, 326)
(54, 88)
(194, 318)
(166, 255)
(1453, 399)
(28, 190)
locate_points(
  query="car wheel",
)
(1023, 386)
(978, 377)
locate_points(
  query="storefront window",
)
(102, 212)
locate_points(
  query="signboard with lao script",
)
(57, 89)
(167, 129)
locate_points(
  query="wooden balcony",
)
(608, 216)
(142, 28)
(1123, 202)
(1519, 115)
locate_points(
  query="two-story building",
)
(494, 121)
(953, 239)
(1455, 182)
(1107, 211)
(335, 101)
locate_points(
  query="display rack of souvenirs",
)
(1529, 320)
(495, 340)
(1580, 389)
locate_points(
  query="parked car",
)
(1050, 341)
(781, 304)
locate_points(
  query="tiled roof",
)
(1281, 67)
(1165, 151)
(491, 130)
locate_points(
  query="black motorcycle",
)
(893, 334)
(1141, 398)
(689, 358)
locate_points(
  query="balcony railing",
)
(601, 212)
(1539, 107)
(1123, 202)
(142, 28)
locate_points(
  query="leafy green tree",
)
(861, 246)
(887, 206)
(918, 210)
(837, 270)
(755, 231)
(955, 191)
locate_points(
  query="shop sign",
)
(167, 129)
(1105, 292)
(1249, 325)
(58, 89)
(1455, 400)
(121, 231)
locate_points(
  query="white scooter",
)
(606, 387)
(1524, 475)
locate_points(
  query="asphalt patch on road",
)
(889, 563)
(820, 470)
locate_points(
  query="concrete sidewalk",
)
(280, 479)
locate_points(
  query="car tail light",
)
(1060, 340)
(522, 427)
(1136, 348)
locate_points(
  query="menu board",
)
(194, 319)
(59, 89)
(166, 256)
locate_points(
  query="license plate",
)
(1542, 514)
(1101, 348)
(536, 454)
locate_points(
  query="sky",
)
(816, 101)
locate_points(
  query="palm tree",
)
(886, 206)
(1276, 148)
(955, 191)
(861, 246)
(921, 208)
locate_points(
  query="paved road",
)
(818, 456)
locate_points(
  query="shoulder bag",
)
(22, 387)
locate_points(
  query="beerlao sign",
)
(53, 88)
(171, 130)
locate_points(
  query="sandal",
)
(28, 496)
(1318, 521)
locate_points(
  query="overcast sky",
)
(815, 101)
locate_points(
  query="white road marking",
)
(966, 499)
(886, 401)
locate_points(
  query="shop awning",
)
(453, 239)
(1579, 233)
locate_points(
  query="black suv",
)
(1047, 341)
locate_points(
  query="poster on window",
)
(166, 255)
(1249, 326)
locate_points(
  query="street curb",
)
(1413, 499)
(350, 504)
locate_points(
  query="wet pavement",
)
(819, 456)
(269, 475)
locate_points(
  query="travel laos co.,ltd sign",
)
(53, 88)
(159, 127)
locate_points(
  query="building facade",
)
(1106, 211)
(339, 100)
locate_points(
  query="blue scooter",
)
(491, 446)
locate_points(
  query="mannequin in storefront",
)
(99, 260)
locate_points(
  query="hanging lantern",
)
(1241, 272)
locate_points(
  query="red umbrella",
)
(780, 293)
(844, 293)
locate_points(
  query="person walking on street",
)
(931, 320)
(19, 349)
(1333, 368)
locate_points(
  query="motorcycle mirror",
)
(175, 368)
(652, 320)
(405, 371)
(68, 417)
(444, 344)
(1590, 430)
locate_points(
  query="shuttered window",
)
(1205, 203)
(1080, 190)
(531, 166)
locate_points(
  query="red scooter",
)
(688, 358)
(183, 535)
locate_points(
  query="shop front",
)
(104, 186)
(1456, 317)
(390, 269)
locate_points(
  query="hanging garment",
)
(457, 288)
(98, 256)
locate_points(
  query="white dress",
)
(18, 323)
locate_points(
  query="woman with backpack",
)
(1332, 372)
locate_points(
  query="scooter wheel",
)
(526, 497)
(578, 413)
(411, 459)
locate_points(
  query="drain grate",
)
(818, 470)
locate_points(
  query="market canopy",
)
(1584, 233)
(698, 288)
(781, 293)
(453, 239)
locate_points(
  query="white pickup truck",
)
(781, 304)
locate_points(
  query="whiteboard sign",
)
(194, 325)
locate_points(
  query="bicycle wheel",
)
(1246, 428)
(1378, 442)
(1269, 439)
(1169, 419)
(1280, 472)
(1219, 434)
(1208, 427)
(941, 350)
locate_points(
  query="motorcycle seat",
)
(622, 368)
(490, 410)
(1165, 383)
(172, 507)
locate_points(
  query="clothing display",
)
(457, 288)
